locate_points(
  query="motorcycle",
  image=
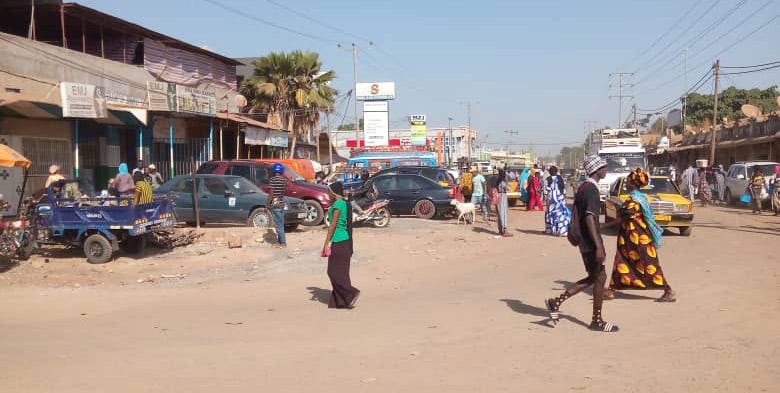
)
(377, 214)
(16, 242)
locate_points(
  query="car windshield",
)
(293, 174)
(766, 169)
(241, 186)
(656, 186)
(623, 164)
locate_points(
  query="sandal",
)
(609, 294)
(668, 297)
(603, 326)
(552, 307)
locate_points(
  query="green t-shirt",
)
(340, 234)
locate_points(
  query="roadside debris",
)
(170, 239)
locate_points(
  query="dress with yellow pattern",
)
(636, 259)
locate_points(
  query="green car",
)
(228, 199)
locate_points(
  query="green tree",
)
(730, 101)
(292, 86)
(570, 157)
(350, 126)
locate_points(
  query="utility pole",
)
(468, 135)
(620, 95)
(354, 74)
(450, 143)
(330, 143)
(714, 138)
(633, 123)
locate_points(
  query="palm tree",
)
(292, 86)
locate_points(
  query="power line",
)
(753, 66)
(669, 30)
(752, 71)
(679, 37)
(701, 35)
(267, 22)
(735, 43)
(317, 21)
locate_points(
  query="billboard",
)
(418, 135)
(375, 91)
(377, 127)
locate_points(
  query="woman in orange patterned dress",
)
(639, 237)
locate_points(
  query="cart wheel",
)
(26, 246)
(97, 249)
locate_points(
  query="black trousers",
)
(338, 271)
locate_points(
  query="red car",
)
(315, 196)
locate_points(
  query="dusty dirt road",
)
(444, 308)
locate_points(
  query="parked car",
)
(670, 208)
(314, 196)
(413, 194)
(228, 199)
(301, 166)
(739, 174)
(440, 175)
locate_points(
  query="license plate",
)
(663, 218)
(301, 215)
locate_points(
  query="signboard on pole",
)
(377, 128)
(375, 91)
(418, 135)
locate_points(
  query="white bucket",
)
(701, 163)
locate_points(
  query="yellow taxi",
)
(670, 208)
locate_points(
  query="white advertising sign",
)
(192, 100)
(417, 119)
(375, 91)
(82, 100)
(376, 128)
(375, 106)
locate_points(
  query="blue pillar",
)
(170, 138)
(211, 139)
(76, 140)
(140, 142)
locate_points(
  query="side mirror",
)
(228, 193)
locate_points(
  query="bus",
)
(622, 148)
(373, 162)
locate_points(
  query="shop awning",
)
(11, 158)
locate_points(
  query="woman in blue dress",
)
(556, 218)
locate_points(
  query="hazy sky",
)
(537, 67)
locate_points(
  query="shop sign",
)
(162, 96)
(418, 134)
(192, 100)
(82, 100)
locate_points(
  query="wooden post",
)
(713, 140)
(102, 44)
(62, 26)
(83, 37)
(195, 194)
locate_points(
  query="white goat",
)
(464, 209)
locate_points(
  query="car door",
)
(613, 201)
(408, 192)
(386, 186)
(182, 193)
(216, 204)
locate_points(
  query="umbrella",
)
(11, 158)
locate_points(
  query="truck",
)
(622, 148)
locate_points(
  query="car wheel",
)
(424, 209)
(685, 231)
(259, 218)
(314, 213)
(97, 249)
(729, 198)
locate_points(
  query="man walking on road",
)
(276, 202)
(587, 206)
